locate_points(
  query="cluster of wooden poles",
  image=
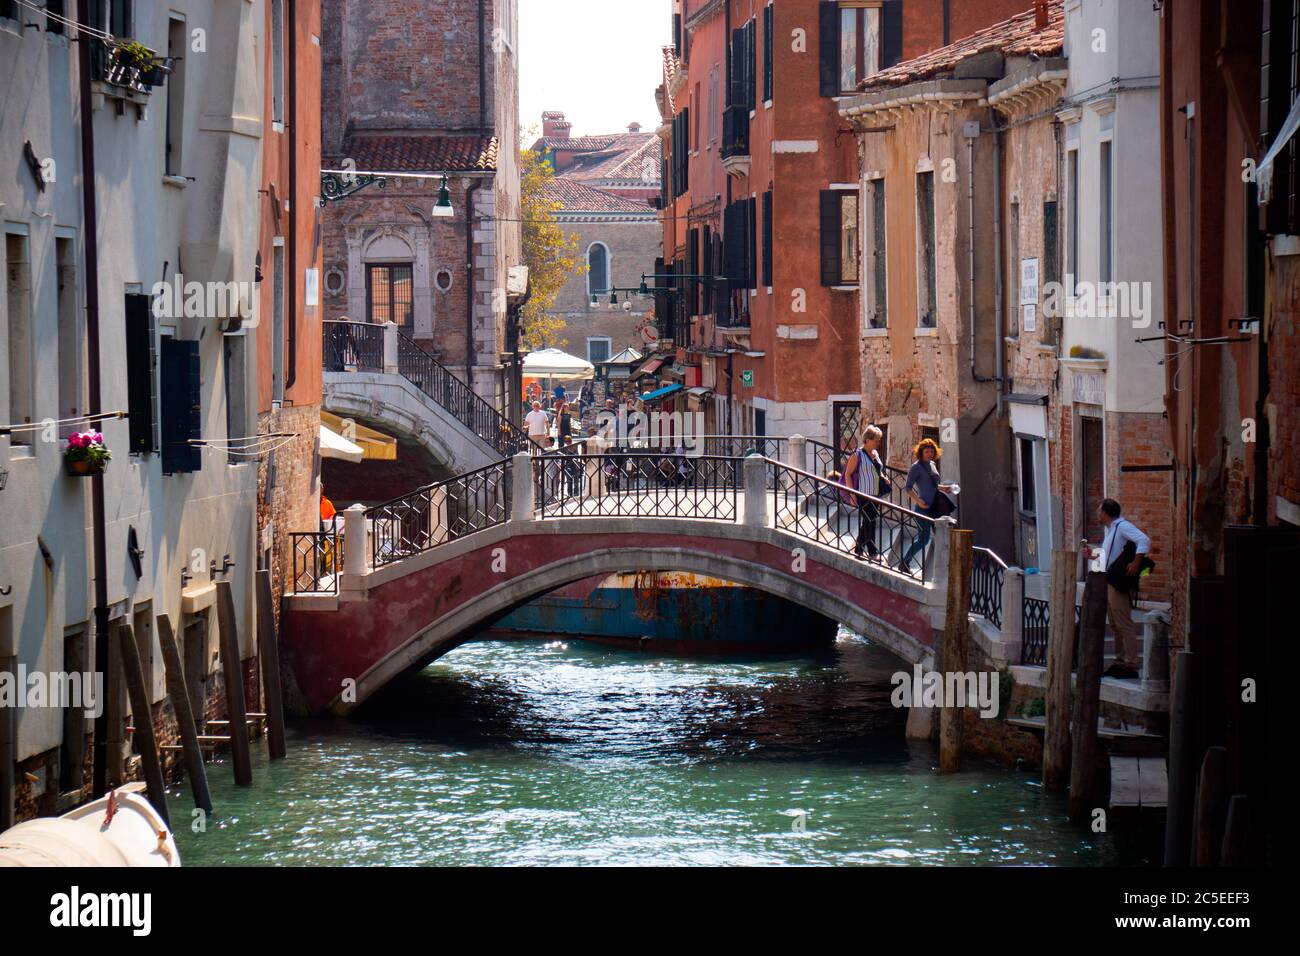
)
(238, 717)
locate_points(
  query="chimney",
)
(634, 127)
(554, 125)
(1040, 14)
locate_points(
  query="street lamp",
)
(442, 208)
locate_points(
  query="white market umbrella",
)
(334, 445)
(555, 364)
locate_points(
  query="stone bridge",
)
(420, 576)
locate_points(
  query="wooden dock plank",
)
(1124, 782)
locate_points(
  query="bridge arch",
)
(411, 616)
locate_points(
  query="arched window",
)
(597, 269)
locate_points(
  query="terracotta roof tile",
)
(574, 196)
(421, 153)
(1017, 36)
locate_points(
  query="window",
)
(70, 339)
(1027, 501)
(751, 214)
(180, 403)
(597, 269)
(767, 236)
(925, 252)
(277, 319)
(113, 16)
(857, 38)
(141, 374)
(1072, 225)
(859, 44)
(8, 9)
(878, 316)
(21, 357)
(277, 62)
(741, 88)
(715, 104)
(56, 7)
(681, 145)
(1106, 244)
(175, 97)
(598, 349)
(388, 294)
(1051, 264)
(695, 109)
(839, 237)
(234, 357)
(768, 53)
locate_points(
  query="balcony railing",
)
(735, 132)
(354, 347)
(116, 66)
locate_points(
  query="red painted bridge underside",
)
(326, 647)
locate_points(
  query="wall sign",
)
(747, 378)
(1028, 281)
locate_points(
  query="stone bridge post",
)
(796, 455)
(756, 499)
(391, 365)
(522, 487)
(1013, 613)
(356, 545)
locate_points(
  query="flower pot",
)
(83, 468)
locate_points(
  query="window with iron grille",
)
(925, 252)
(389, 294)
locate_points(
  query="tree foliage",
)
(550, 253)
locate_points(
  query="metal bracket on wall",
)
(335, 186)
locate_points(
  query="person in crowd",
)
(865, 473)
(928, 494)
(539, 427)
(1124, 550)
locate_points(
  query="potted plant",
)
(86, 454)
(157, 71)
(131, 60)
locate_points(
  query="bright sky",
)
(597, 61)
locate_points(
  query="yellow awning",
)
(375, 445)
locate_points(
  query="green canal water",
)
(512, 753)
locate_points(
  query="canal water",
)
(530, 752)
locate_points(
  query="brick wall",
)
(292, 502)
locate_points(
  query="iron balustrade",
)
(987, 574)
(431, 377)
(353, 347)
(1035, 625)
(317, 561)
(441, 512)
(829, 513)
(637, 484)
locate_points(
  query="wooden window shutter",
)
(767, 238)
(830, 236)
(180, 379)
(829, 45)
(767, 53)
(751, 226)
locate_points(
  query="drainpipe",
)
(90, 229)
(997, 256)
(970, 252)
(291, 28)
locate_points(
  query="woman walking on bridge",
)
(865, 473)
(929, 497)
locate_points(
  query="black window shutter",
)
(706, 268)
(751, 226)
(767, 53)
(736, 78)
(767, 237)
(751, 65)
(829, 38)
(179, 376)
(891, 33)
(830, 237)
(139, 374)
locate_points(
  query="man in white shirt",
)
(1115, 547)
(538, 425)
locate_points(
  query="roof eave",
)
(921, 93)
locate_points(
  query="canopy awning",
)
(334, 445)
(374, 445)
(649, 368)
(661, 392)
(625, 357)
(553, 363)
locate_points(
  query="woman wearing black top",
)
(924, 488)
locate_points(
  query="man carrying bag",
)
(1124, 556)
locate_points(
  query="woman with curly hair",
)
(925, 489)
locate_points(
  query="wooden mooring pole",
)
(268, 656)
(1087, 696)
(1060, 650)
(233, 673)
(142, 711)
(956, 622)
(1182, 763)
(178, 691)
(1211, 814)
